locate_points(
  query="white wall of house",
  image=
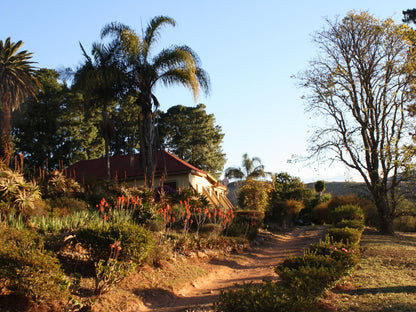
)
(181, 181)
(198, 182)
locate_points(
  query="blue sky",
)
(249, 48)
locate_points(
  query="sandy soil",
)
(257, 265)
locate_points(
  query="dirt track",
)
(258, 266)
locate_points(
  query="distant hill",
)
(232, 193)
(343, 188)
(334, 188)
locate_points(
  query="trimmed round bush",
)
(311, 274)
(136, 242)
(345, 235)
(264, 297)
(352, 224)
(348, 255)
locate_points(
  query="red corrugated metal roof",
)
(128, 167)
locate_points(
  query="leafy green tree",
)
(81, 137)
(361, 86)
(52, 130)
(35, 124)
(126, 127)
(252, 168)
(254, 195)
(177, 65)
(100, 79)
(191, 134)
(288, 187)
(17, 82)
(409, 16)
(288, 197)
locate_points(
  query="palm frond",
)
(113, 29)
(233, 172)
(152, 33)
(17, 75)
(179, 76)
(87, 57)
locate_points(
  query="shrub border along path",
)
(255, 266)
(384, 280)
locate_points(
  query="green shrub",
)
(310, 281)
(136, 241)
(246, 223)
(310, 275)
(347, 212)
(348, 255)
(405, 224)
(264, 297)
(284, 212)
(211, 229)
(27, 269)
(353, 224)
(254, 195)
(321, 214)
(351, 199)
(345, 235)
(61, 206)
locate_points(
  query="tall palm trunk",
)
(5, 131)
(147, 139)
(105, 131)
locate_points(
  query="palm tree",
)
(176, 65)
(252, 168)
(100, 80)
(17, 82)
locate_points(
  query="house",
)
(173, 171)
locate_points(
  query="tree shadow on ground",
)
(164, 300)
(378, 290)
(19, 303)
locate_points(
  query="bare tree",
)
(360, 89)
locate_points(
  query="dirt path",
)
(258, 265)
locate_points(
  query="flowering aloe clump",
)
(111, 272)
(167, 214)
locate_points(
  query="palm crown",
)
(17, 82)
(177, 65)
(252, 168)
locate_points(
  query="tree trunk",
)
(147, 150)
(385, 212)
(5, 135)
(105, 130)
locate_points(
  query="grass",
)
(385, 279)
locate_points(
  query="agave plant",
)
(59, 184)
(16, 191)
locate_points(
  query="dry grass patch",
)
(385, 279)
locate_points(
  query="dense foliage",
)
(36, 273)
(191, 134)
(56, 129)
